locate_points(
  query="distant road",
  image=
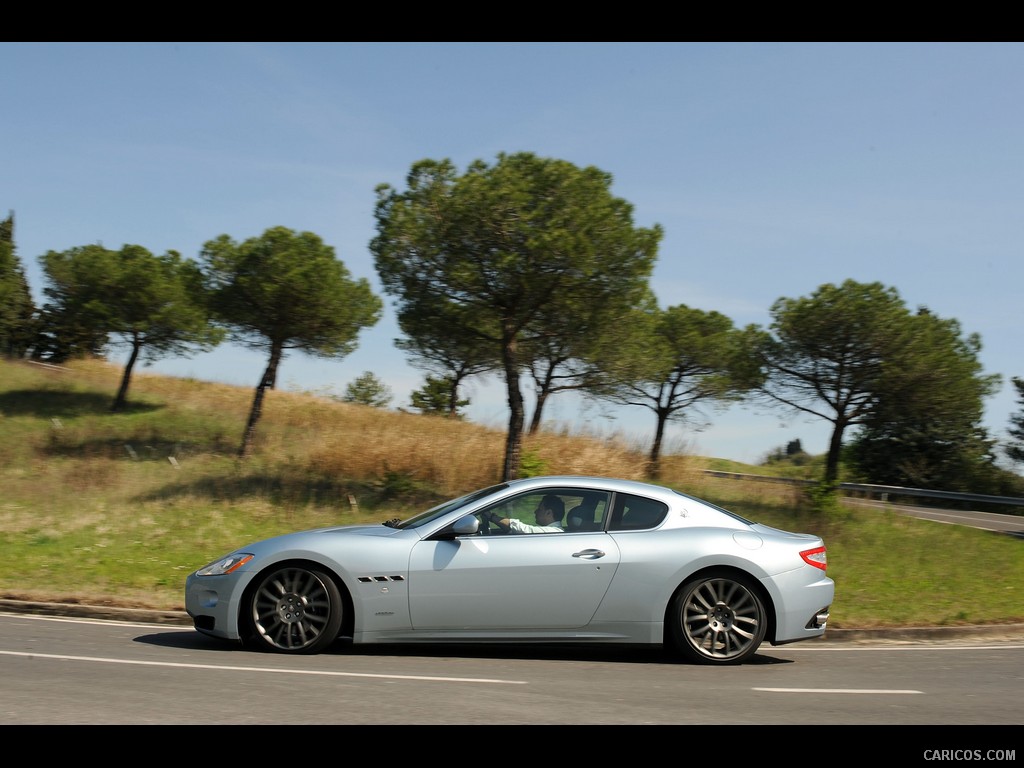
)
(986, 521)
(877, 495)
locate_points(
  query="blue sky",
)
(772, 167)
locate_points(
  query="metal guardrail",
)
(881, 491)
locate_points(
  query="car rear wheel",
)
(294, 610)
(717, 619)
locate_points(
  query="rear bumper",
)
(802, 605)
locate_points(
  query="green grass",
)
(117, 509)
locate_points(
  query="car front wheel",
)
(294, 610)
(717, 619)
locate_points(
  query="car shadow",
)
(620, 654)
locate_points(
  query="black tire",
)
(717, 618)
(294, 610)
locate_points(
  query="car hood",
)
(304, 538)
(363, 529)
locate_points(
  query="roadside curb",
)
(77, 610)
(922, 635)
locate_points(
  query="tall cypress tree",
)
(17, 311)
(1015, 448)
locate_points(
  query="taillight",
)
(815, 557)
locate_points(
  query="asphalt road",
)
(60, 671)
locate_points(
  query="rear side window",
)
(636, 513)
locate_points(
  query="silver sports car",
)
(538, 560)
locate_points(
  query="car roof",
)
(589, 481)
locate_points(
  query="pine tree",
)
(1015, 448)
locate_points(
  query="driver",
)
(549, 514)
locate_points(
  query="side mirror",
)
(466, 526)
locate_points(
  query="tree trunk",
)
(122, 393)
(514, 439)
(835, 445)
(542, 397)
(453, 398)
(654, 459)
(267, 382)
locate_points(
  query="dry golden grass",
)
(322, 437)
(334, 438)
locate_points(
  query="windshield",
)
(445, 507)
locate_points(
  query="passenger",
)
(581, 517)
(549, 516)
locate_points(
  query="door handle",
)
(589, 554)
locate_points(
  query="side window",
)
(509, 508)
(576, 510)
(585, 510)
(634, 513)
(521, 511)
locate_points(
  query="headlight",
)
(225, 564)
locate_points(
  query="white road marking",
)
(99, 622)
(324, 673)
(834, 690)
(896, 645)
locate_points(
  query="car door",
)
(542, 581)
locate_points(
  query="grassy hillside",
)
(118, 508)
